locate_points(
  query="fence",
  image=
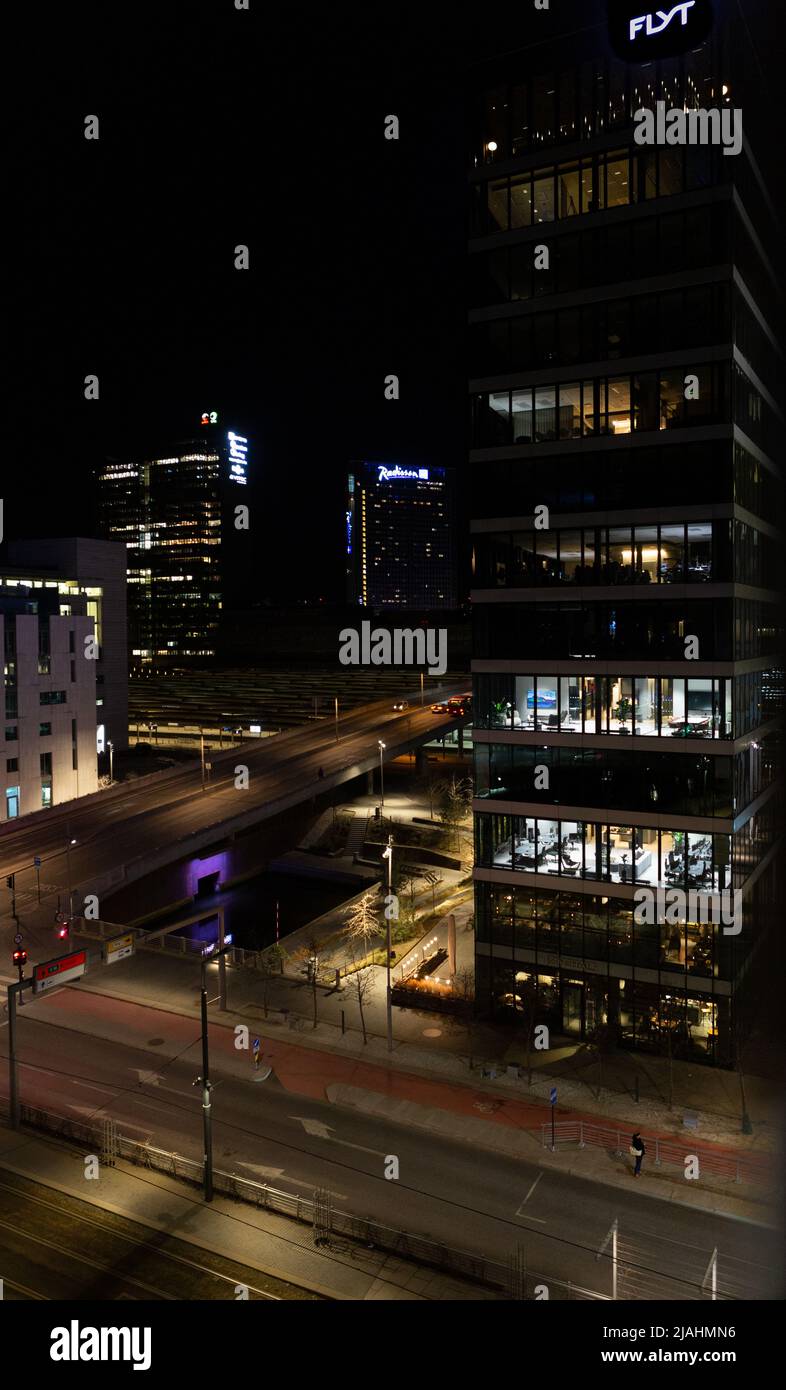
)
(511, 1280)
(668, 1153)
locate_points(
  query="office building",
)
(399, 537)
(48, 751)
(626, 438)
(87, 576)
(175, 512)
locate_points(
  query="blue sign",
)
(553, 1096)
(547, 699)
(386, 474)
(238, 461)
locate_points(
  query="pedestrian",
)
(638, 1151)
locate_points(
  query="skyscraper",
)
(627, 494)
(400, 549)
(177, 514)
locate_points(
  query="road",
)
(86, 838)
(53, 1246)
(473, 1199)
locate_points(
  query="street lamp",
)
(111, 748)
(69, 843)
(388, 854)
(382, 747)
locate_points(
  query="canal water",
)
(250, 908)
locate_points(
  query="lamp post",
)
(69, 843)
(388, 854)
(204, 1079)
(202, 754)
(337, 719)
(382, 747)
(111, 748)
(422, 691)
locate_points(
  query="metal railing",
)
(667, 1153)
(366, 1235)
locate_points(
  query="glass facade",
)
(626, 427)
(615, 405)
(600, 850)
(584, 258)
(648, 706)
(693, 552)
(725, 629)
(634, 325)
(581, 477)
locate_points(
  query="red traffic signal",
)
(62, 932)
(20, 956)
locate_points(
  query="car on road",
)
(441, 707)
(401, 704)
(460, 704)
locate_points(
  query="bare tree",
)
(360, 984)
(408, 914)
(454, 798)
(362, 922)
(429, 783)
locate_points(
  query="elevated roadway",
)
(113, 837)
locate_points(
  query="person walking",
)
(638, 1151)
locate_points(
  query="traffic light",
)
(63, 931)
(10, 881)
(20, 956)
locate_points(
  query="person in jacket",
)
(638, 1151)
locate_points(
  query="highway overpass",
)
(100, 843)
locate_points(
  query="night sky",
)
(220, 128)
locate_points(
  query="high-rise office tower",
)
(400, 549)
(176, 512)
(627, 494)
